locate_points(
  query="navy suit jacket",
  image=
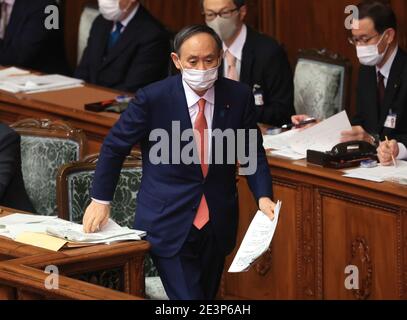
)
(265, 64)
(170, 194)
(12, 189)
(140, 57)
(370, 115)
(28, 44)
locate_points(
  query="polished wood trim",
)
(88, 164)
(52, 129)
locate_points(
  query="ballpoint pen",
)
(302, 123)
(392, 157)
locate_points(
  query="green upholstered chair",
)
(45, 147)
(73, 189)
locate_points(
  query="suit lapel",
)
(393, 86)
(247, 58)
(220, 114)
(17, 18)
(129, 36)
(181, 113)
(103, 39)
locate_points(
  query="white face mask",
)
(369, 55)
(224, 27)
(200, 80)
(110, 10)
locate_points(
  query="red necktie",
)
(202, 216)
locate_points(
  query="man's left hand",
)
(356, 134)
(267, 206)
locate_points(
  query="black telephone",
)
(343, 155)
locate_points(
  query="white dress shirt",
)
(402, 152)
(236, 49)
(8, 10)
(126, 21)
(193, 109)
(385, 71)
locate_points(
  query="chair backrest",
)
(321, 83)
(74, 183)
(45, 147)
(89, 14)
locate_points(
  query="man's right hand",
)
(96, 217)
(297, 119)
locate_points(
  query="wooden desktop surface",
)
(85, 272)
(327, 223)
(68, 105)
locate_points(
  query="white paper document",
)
(380, 173)
(256, 241)
(37, 83)
(12, 72)
(278, 141)
(323, 137)
(13, 226)
(112, 232)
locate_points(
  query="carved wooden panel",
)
(274, 276)
(365, 234)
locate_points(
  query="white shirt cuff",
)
(402, 152)
(101, 201)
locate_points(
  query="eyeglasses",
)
(211, 15)
(362, 40)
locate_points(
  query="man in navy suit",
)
(26, 42)
(190, 211)
(12, 189)
(127, 48)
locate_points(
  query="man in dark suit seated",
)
(254, 59)
(188, 208)
(26, 42)
(127, 47)
(12, 189)
(382, 85)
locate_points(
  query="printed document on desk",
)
(38, 83)
(380, 173)
(323, 137)
(256, 241)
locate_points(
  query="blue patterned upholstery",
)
(40, 160)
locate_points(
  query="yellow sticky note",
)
(41, 240)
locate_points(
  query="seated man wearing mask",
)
(189, 210)
(127, 48)
(254, 59)
(382, 84)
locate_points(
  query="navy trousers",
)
(195, 272)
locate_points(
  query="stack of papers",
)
(256, 241)
(380, 173)
(12, 72)
(53, 233)
(35, 83)
(321, 137)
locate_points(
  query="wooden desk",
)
(327, 223)
(118, 266)
(67, 105)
